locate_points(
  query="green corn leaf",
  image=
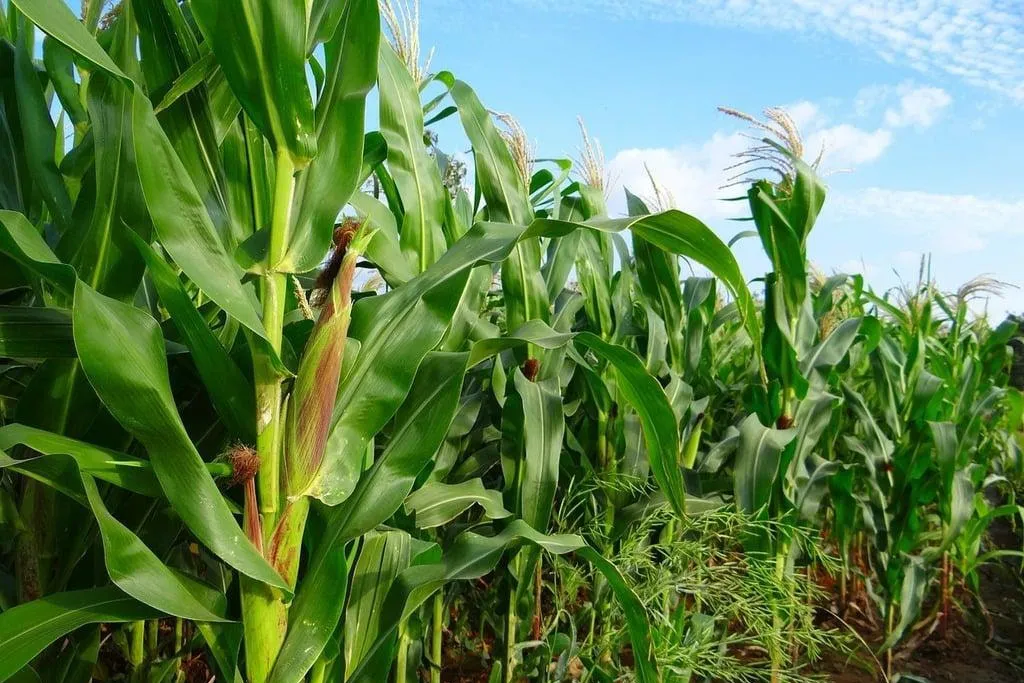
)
(190, 79)
(658, 274)
(535, 332)
(947, 448)
(472, 556)
(324, 17)
(397, 329)
(437, 503)
(781, 243)
(809, 497)
(101, 252)
(231, 393)
(961, 507)
(224, 639)
(496, 172)
(647, 398)
(245, 178)
(336, 171)
(384, 249)
(421, 424)
(415, 173)
(915, 581)
(119, 469)
(532, 427)
(831, 351)
(55, 18)
(806, 480)
(381, 558)
(784, 340)
(27, 629)
(467, 322)
(807, 199)
(560, 257)
(136, 570)
(59, 67)
(120, 349)
(38, 132)
(33, 332)
(592, 270)
(524, 289)
(79, 158)
(684, 235)
(23, 243)
(635, 612)
(261, 48)
(757, 463)
(36, 332)
(542, 426)
(812, 418)
(957, 486)
(875, 446)
(170, 50)
(182, 223)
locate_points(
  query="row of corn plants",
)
(285, 397)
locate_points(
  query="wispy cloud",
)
(918, 107)
(952, 223)
(906, 104)
(980, 41)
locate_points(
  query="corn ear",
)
(316, 386)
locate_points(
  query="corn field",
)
(288, 394)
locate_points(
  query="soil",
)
(984, 643)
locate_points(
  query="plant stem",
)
(436, 635)
(538, 610)
(152, 639)
(945, 595)
(843, 577)
(318, 674)
(511, 631)
(265, 614)
(268, 379)
(179, 641)
(889, 615)
(27, 565)
(137, 648)
(402, 659)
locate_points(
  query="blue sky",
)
(920, 102)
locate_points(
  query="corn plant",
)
(307, 380)
(170, 246)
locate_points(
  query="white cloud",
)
(978, 41)
(950, 223)
(692, 174)
(918, 107)
(846, 145)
